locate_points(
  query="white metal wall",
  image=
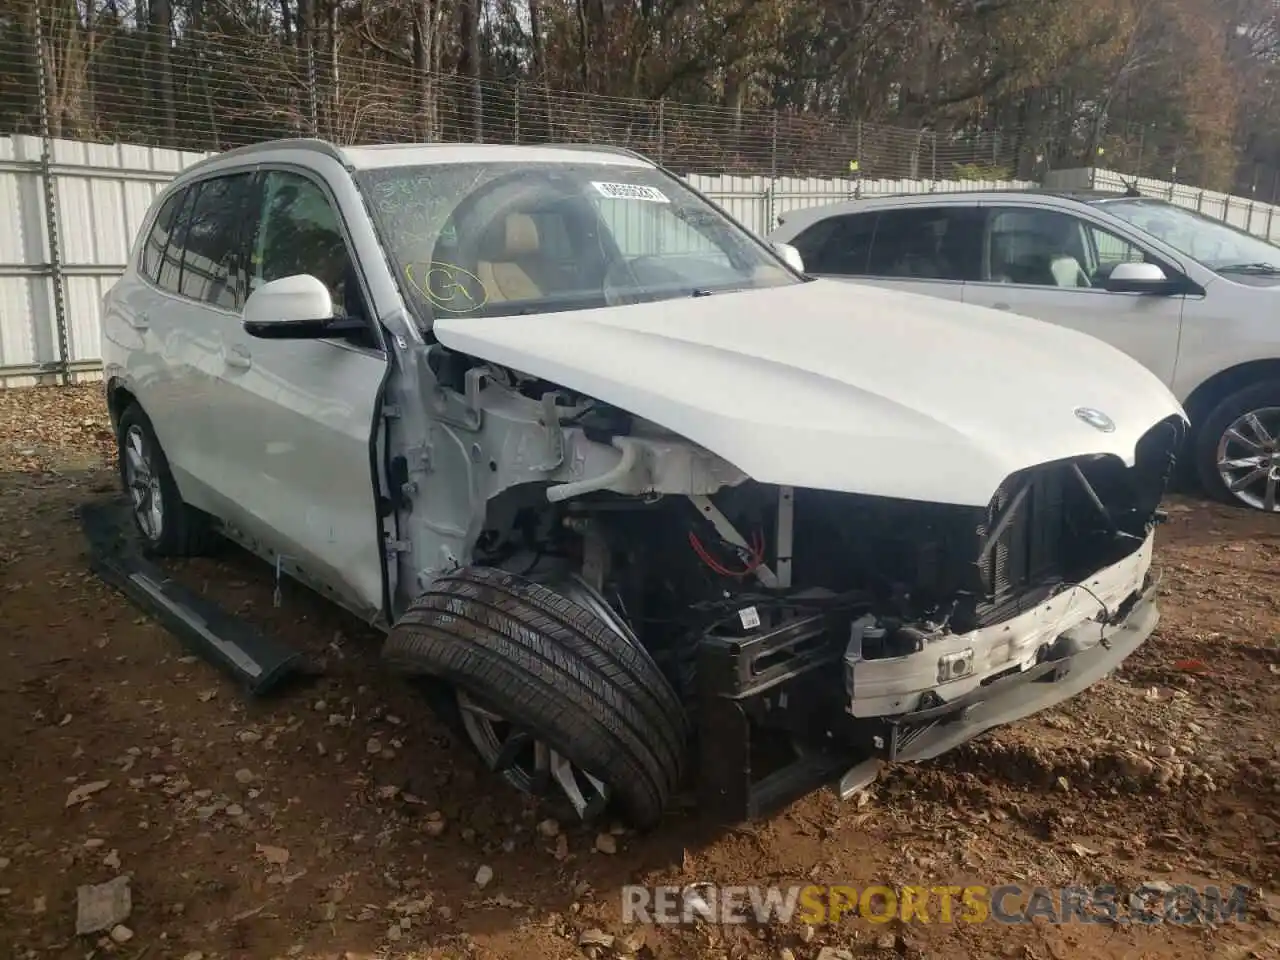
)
(1260, 219)
(101, 193)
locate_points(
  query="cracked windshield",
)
(502, 239)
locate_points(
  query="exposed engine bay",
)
(810, 632)
(679, 569)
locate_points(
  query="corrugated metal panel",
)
(103, 191)
(26, 298)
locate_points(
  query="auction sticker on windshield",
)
(631, 191)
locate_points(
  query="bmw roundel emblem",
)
(1096, 419)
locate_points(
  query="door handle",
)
(139, 321)
(1000, 306)
(237, 358)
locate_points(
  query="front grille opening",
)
(1069, 519)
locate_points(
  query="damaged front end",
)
(895, 630)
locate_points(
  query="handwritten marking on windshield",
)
(447, 286)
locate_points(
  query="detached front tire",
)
(1237, 448)
(550, 694)
(167, 525)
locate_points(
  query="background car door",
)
(1052, 266)
(929, 250)
(296, 417)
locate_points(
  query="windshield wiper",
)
(1256, 269)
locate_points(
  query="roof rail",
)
(310, 144)
(599, 148)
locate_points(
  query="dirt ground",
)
(339, 817)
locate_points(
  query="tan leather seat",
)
(506, 259)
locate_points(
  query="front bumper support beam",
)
(786, 681)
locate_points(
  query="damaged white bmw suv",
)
(640, 506)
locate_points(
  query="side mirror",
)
(1138, 278)
(791, 255)
(294, 308)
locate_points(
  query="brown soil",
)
(1167, 771)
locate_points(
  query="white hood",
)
(838, 386)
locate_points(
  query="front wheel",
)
(559, 700)
(1237, 448)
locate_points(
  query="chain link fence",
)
(110, 83)
(208, 92)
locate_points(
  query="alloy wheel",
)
(528, 763)
(142, 480)
(1249, 459)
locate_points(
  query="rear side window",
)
(928, 243)
(838, 245)
(158, 238)
(211, 262)
(170, 276)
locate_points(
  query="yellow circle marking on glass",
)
(443, 284)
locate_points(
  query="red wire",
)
(757, 556)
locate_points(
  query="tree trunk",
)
(286, 21)
(306, 27)
(470, 65)
(332, 39)
(90, 41)
(161, 38)
(424, 47)
(202, 69)
(584, 45)
(537, 55)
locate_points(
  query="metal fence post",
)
(515, 114)
(662, 109)
(313, 108)
(770, 206)
(51, 199)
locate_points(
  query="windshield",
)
(498, 239)
(1217, 245)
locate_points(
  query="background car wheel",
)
(1237, 448)
(167, 525)
(551, 695)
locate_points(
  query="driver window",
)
(1042, 248)
(299, 232)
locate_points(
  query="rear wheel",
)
(554, 695)
(1237, 448)
(167, 525)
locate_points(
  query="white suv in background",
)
(629, 493)
(1193, 299)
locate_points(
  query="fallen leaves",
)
(86, 790)
(276, 856)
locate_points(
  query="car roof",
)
(808, 215)
(380, 156)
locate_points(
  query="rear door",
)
(1052, 265)
(296, 417)
(187, 261)
(930, 250)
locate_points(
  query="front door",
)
(930, 250)
(302, 413)
(1052, 266)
